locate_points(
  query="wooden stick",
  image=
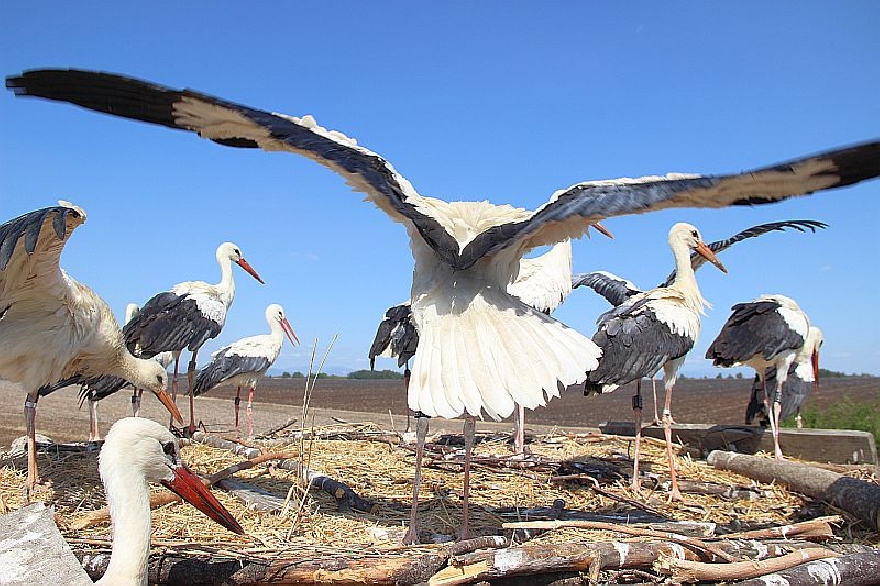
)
(690, 571)
(857, 497)
(346, 498)
(859, 569)
(716, 552)
(816, 528)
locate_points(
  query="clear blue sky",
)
(505, 101)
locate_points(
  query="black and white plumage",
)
(245, 361)
(803, 377)
(655, 330)
(55, 328)
(186, 317)
(481, 349)
(768, 331)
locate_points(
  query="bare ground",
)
(383, 402)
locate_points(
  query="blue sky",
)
(505, 101)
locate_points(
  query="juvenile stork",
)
(187, 316)
(803, 376)
(657, 329)
(618, 291)
(767, 332)
(481, 349)
(246, 361)
(137, 451)
(54, 328)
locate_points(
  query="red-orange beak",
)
(191, 489)
(707, 253)
(246, 266)
(166, 400)
(603, 230)
(814, 360)
(291, 335)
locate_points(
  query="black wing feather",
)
(225, 365)
(168, 322)
(753, 329)
(614, 289)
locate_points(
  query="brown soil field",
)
(714, 401)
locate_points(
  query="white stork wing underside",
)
(30, 248)
(566, 215)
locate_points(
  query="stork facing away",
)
(53, 327)
(803, 376)
(137, 451)
(246, 361)
(620, 291)
(657, 329)
(767, 332)
(187, 316)
(481, 349)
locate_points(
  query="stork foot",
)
(411, 537)
(462, 533)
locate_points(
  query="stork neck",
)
(128, 496)
(685, 281)
(226, 286)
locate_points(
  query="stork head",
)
(138, 446)
(688, 235)
(275, 314)
(230, 251)
(152, 376)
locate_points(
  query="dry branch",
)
(857, 497)
(819, 528)
(346, 498)
(691, 571)
(715, 552)
(223, 444)
(858, 569)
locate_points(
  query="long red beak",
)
(191, 489)
(603, 230)
(166, 400)
(814, 360)
(246, 266)
(291, 335)
(707, 253)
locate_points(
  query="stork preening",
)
(767, 332)
(137, 451)
(246, 361)
(618, 291)
(656, 330)
(187, 316)
(481, 349)
(53, 327)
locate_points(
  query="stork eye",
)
(695, 234)
(169, 449)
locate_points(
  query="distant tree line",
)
(357, 374)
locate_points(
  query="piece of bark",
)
(223, 444)
(858, 569)
(182, 570)
(857, 497)
(819, 528)
(691, 571)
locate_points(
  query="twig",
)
(690, 571)
(819, 527)
(273, 430)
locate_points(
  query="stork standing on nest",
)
(246, 361)
(54, 328)
(767, 332)
(481, 349)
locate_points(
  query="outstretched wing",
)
(226, 364)
(30, 247)
(616, 290)
(801, 225)
(566, 215)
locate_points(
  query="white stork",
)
(657, 329)
(137, 451)
(53, 327)
(481, 348)
(618, 291)
(245, 361)
(803, 376)
(767, 332)
(187, 316)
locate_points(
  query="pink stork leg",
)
(94, 432)
(669, 376)
(136, 402)
(519, 432)
(33, 475)
(412, 534)
(637, 415)
(657, 419)
(190, 375)
(174, 385)
(248, 411)
(237, 403)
